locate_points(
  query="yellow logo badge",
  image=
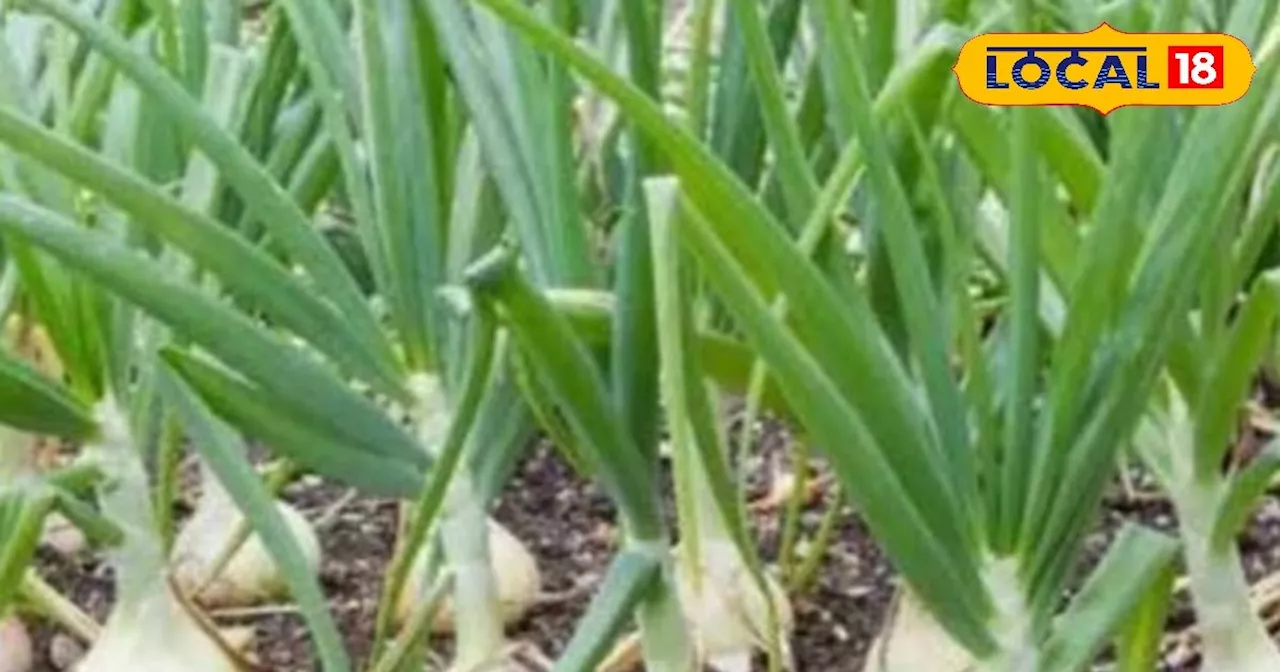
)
(1104, 69)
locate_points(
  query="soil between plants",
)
(569, 525)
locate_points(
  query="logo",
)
(1104, 69)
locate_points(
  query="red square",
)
(1195, 67)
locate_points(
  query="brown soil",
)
(569, 525)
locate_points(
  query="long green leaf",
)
(1230, 370)
(904, 245)
(936, 570)
(1138, 645)
(496, 131)
(1024, 329)
(248, 408)
(1243, 490)
(32, 403)
(839, 332)
(462, 425)
(401, 143)
(1131, 567)
(626, 583)
(565, 367)
(799, 185)
(235, 262)
(293, 378)
(23, 517)
(262, 194)
(225, 455)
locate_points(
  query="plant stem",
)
(804, 576)
(415, 630)
(794, 504)
(51, 604)
(663, 639)
(1012, 621)
(1232, 636)
(125, 499)
(464, 531)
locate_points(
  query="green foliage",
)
(276, 221)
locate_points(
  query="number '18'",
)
(1195, 67)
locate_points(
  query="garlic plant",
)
(111, 360)
(982, 519)
(1192, 423)
(149, 629)
(336, 347)
(732, 606)
(348, 230)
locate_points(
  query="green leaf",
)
(1137, 646)
(22, 519)
(707, 499)
(799, 186)
(633, 364)
(401, 141)
(292, 379)
(1243, 490)
(462, 425)
(726, 360)
(1232, 366)
(99, 531)
(318, 31)
(842, 341)
(534, 94)
(1132, 567)
(195, 44)
(946, 580)
(695, 438)
(262, 194)
(32, 403)
(288, 434)
(1023, 368)
(625, 585)
(476, 84)
(904, 246)
(565, 367)
(225, 455)
(239, 265)
(1261, 223)
(1158, 297)
(736, 133)
(1065, 147)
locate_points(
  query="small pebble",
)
(64, 651)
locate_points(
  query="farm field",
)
(639, 335)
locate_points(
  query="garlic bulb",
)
(912, 640)
(251, 576)
(516, 576)
(155, 635)
(726, 611)
(15, 646)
